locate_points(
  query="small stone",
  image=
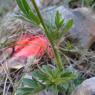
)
(86, 88)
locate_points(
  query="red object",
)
(30, 45)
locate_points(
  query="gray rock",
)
(84, 23)
(46, 93)
(86, 88)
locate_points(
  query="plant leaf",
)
(27, 11)
(30, 82)
(59, 22)
(24, 91)
(68, 26)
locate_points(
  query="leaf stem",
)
(56, 53)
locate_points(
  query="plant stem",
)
(57, 56)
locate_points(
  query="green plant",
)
(46, 77)
(82, 3)
(89, 3)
